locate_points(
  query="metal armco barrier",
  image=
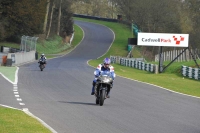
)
(28, 43)
(131, 62)
(191, 72)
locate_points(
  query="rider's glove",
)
(96, 73)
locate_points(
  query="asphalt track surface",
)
(7, 96)
(60, 96)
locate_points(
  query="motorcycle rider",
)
(42, 59)
(103, 67)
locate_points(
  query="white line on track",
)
(16, 95)
(42, 122)
(9, 107)
(19, 99)
(16, 92)
(25, 110)
(21, 103)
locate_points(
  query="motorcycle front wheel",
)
(97, 100)
(41, 67)
(102, 96)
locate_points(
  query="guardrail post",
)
(156, 69)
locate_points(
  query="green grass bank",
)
(16, 121)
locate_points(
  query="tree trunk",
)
(59, 16)
(52, 10)
(46, 16)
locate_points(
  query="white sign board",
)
(163, 39)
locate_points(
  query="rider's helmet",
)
(106, 62)
(42, 55)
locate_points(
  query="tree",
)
(46, 16)
(101, 8)
(22, 17)
(50, 21)
(66, 19)
(31, 17)
(153, 16)
(191, 21)
(59, 17)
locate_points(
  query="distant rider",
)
(43, 59)
(103, 67)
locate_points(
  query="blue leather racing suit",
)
(98, 70)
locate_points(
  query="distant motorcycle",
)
(42, 66)
(102, 87)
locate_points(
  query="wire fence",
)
(170, 55)
(28, 43)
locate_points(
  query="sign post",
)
(166, 40)
(160, 68)
(163, 39)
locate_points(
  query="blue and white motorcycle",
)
(103, 86)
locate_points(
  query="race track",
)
(60, 95)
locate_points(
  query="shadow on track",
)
(82, 103)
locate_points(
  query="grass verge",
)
(8, 72)
(16, 121)
(55, 46)
(11, 45)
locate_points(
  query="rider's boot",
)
(108, 95)
(93, 84)
(92, 93)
